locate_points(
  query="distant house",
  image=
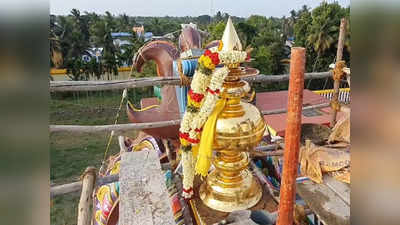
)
(193, 25)
(169, 35)
(120, 38)
(120, 35)
(139, 31)
(93, 52)
(148, 36)
(288, 45)
(119, 42)
(289, 41)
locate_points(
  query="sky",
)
(242, 8)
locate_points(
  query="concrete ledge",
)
(143, 194)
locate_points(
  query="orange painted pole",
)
(292, 137)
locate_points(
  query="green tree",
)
(126, 52)
(102, 38)
(216, 30)
(155, 26)
(257, 21)
(246, 33)
(110, 21)
(267, 58)
(218, 17)
(82, 23)
(323, 32)
(124, 23)
(74, 41)
(301, 28)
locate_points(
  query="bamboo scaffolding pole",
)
(292, 137)
(256, 153)
(339, 55)
(120, 128)
(107, 128)
(88, 183)
(77, 186)
(64, 86)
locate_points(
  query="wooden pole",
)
(339, 55)
(64, 86)
(77, 186)
(292, 137)
(120, 128)
(88, 181)
(107, 128)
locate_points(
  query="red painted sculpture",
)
(163, 53)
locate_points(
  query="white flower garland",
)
(188, 173)
(210, 100)
(230, 57)
(196, 122)
(185, 124)
(199, 85)
(192, 122)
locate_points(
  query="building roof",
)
(193, 25)
(121, 42)
(278, 100)
(138, 29)
(120, 34)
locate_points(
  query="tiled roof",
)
(278, 100)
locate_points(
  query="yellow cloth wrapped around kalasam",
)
(207, 138)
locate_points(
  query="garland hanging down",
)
(202, 100)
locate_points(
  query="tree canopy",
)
(271, 38)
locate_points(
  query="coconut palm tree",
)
(155, 26)
(246, 33)
(323, 32)
(101, 33)
(124, 23)
(321, 39)
(74, 41)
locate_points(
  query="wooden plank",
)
(330, 208)
(143, 193)
(340, 188)
(63, 86)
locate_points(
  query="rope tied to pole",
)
(335, 105)
(185, 81)
(142, 109)
(338, 72)
(124, 95)
(337, 75)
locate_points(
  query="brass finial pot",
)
(239, 128)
